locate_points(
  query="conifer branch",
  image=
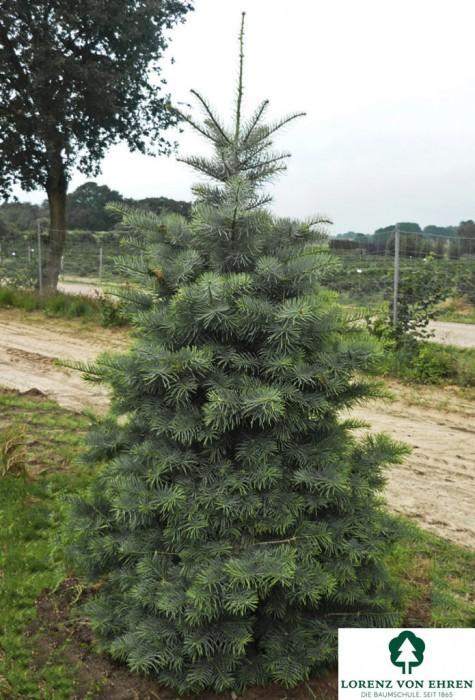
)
(286, 541)
(255, 120)
(203, 166)
(213, 119)
(283, 122)
(265, 163)
(201, 130)
(259, 202)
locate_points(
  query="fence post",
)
(40, 269)
(396, 272)
(100, 262)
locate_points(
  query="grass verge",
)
(59, 305)
(431, 363)
(437, 576)
(30, 509)
(456, 310)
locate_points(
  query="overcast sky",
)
(389, 91)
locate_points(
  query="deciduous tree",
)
(77, 77)
(86, 207)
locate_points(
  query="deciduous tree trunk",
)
(56, 189)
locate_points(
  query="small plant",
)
(426, 364)
(6, 689)
(113, 314)
(420, 290)
(12, 452)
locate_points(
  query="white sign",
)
(407, 664)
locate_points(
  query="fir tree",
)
(235, 523)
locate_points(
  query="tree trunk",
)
(56, 189)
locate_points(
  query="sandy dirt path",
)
(29, 353)
(435, 485)
(461, 334)
(81, 288)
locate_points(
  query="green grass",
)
(431, 363)
(59, 305)
(30, 513)
(437, 577)
(456, 310)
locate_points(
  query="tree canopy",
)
(162, 205)
(76, 78)
(86, 207)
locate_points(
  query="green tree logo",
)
(407, 651)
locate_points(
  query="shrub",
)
(426, 364)
(466, 367)
(7, 296)
(465, 282)
(113, 314)
(420, 291)
(27, 300)
(430, 363)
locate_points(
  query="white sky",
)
(389, 91)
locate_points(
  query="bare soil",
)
(58, 631)
(30, 351)
(435, 486)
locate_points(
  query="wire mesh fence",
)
(84, 257)
(369, 276)
(366, 275)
